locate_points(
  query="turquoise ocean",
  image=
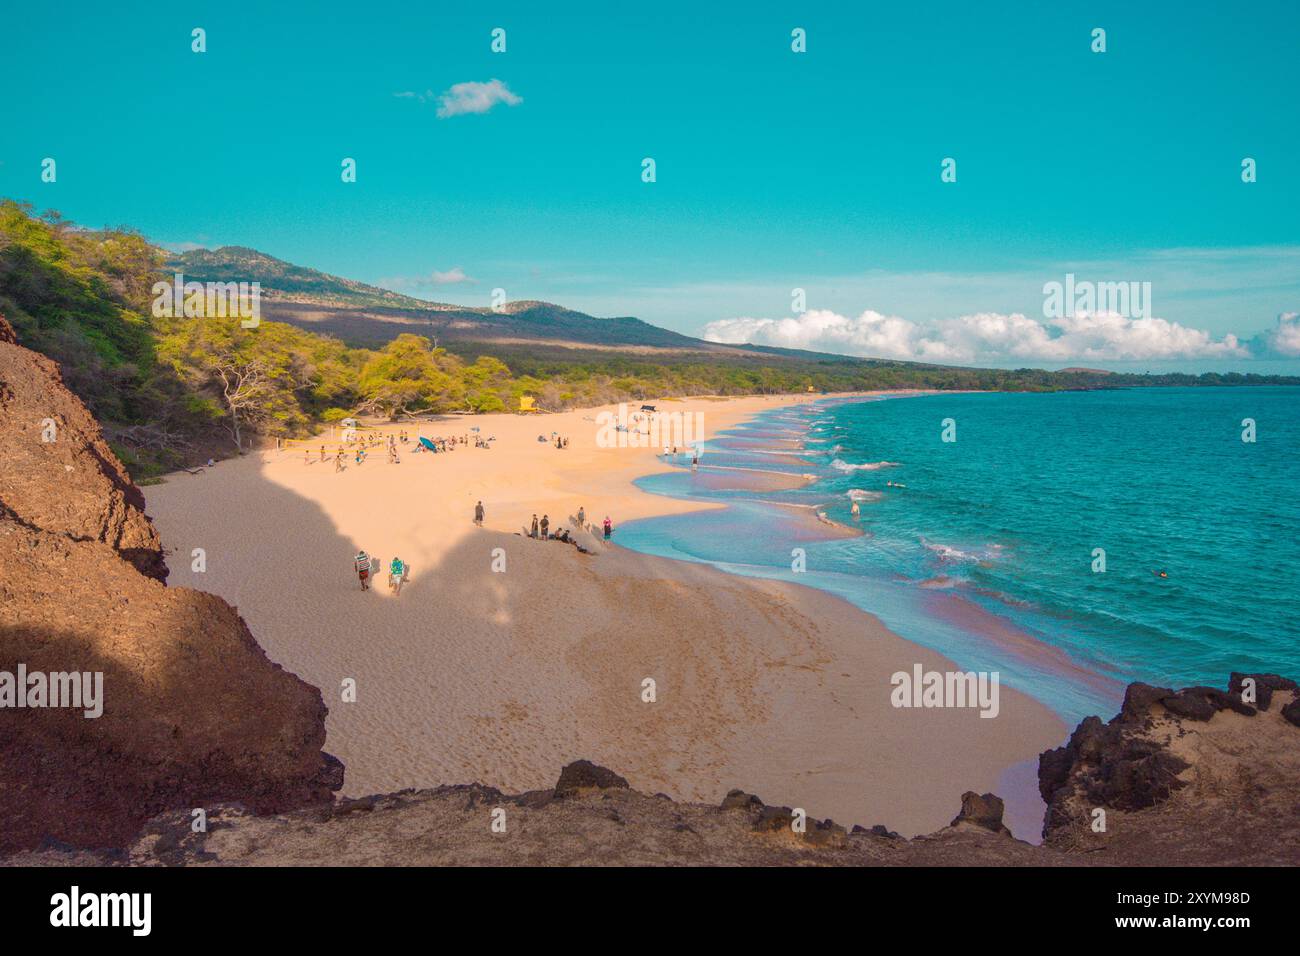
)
(988, 548)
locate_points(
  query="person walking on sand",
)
(396, 575)
(338, 461)
(582, 516)
(322, 453)
(546, 527)
(609, 528)
(533, 533)
(362, 566)
(478, 514)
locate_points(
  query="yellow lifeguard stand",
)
(526, 403)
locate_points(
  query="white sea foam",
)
(947, 552)
(858, 494)
(840, 464)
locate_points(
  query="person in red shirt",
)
(362, 566)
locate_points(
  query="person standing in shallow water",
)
(478, 514)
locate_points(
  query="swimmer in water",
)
(1162, 574)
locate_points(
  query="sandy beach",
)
(502, 677)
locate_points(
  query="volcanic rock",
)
(983, 811)
(1195, 774)
(193, 712)
(585, 775)
(57, 472)
(1265, 684)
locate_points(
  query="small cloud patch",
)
(474, 97)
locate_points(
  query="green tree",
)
(258, 377)
(409, 375)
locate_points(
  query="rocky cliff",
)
(57, 472)
(1194, 776)
(193, 712)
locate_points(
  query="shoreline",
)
(776, 688)
(939, 602)
(1018, 783)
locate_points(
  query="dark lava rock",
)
(1292, 711)
(740, 800)
(1202, 703)
(1265, 685)
(774, 818)
(585, 775)
(1138, 699)
(982, 810)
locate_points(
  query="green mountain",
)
(285, 281)
(368, 315)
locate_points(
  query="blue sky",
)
(775, 170)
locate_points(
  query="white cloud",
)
(987, 337)
(450, 277)
(1281, 342)
(474, 97)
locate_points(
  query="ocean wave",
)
(940, 582)
(840, 464)
(1004, 598)
(858, 494)
(947, 552)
